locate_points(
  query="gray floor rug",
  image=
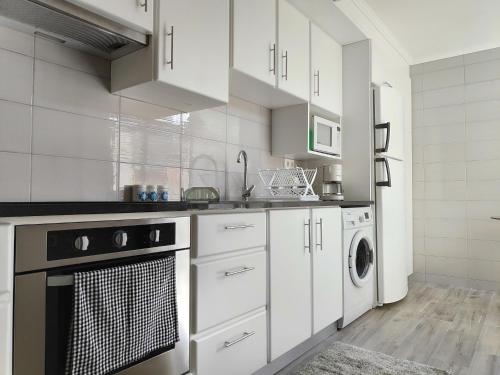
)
(343, 359)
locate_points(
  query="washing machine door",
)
(361, 258)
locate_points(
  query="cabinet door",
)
(137, 14)
(193, 48)
(293, 57)
(254, 39)
(290, 279)
(327, 267)
(326, 71)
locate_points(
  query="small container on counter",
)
(138, 193)
(162, 193)
(152, 194)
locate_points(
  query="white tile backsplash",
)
(16, 77)
(16, 41)
(69, 90)
(71, 179)
(457, 144)
(205, 154)
(145, 145)
(59, 133)
(15, 127)
(15, 170)
(64, 136)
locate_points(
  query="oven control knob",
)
(154, 235)
(120, 239)
(82, 243)
(361, 219)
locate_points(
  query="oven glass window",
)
(324, 135)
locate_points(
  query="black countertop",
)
(83, 208)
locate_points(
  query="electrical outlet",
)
(289, 163)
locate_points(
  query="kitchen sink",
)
(231, 205)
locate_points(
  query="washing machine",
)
(358, 263)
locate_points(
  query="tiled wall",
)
(64, 137)
(456, 164)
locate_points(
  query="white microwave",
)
(326, 136)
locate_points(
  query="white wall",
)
(456, 154)
(64, 137)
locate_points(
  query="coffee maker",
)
(332, 183)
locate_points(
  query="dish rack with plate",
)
(295, 183)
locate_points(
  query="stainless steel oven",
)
(48, 255)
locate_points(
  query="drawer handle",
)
(242, 270)
(244, 226)
(246, 335)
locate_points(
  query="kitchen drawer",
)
(215, 234)
(227, 288)
(240, 349)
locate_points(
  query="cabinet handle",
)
(242, 270)
(307, 235)
(246, 335)
(144, 5)
(320, 223)
(171, 35)
(284, 63)
(244, 226)
(316, 78)
(272, 52)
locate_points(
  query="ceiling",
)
(434, 29)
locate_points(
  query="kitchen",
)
(266, 186)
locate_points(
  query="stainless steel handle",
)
(320, 223)
(307, 235)
(246, 335)
(144, 5)
(272, 65)
(242, 270)
(171, 35)
(243, 226)
(63, 280)
(284, 59)
(316, 78)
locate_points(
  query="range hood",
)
(75, 26)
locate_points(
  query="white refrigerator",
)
(389, 161)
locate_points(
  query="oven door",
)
(42, 317)
(327, 136)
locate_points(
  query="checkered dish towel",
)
(121, 315)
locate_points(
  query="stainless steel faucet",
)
(245, 191)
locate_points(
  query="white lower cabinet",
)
(305, 252)
(228, 288)
(240, 349)
(229, 294)
(290, 279)
(327, 267)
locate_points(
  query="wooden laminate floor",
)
(452, 328)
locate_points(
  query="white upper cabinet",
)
(254, 39)
(187, 65)
(293, 47)
(326, 71)
(327, 267)
(194, 52)
(136, 14)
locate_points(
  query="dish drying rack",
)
(295, 183)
